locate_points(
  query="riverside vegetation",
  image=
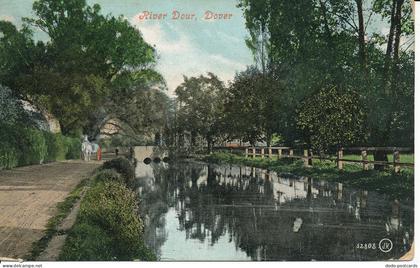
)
(396, 185)
(20, 146)
(108, 226)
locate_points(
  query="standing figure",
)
(99, 154)
(86, 149)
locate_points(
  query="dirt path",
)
(28, 197)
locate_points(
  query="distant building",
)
(109, 128)
(238, 143)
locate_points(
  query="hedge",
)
(21, 145)
(124, 167)
(108, 226)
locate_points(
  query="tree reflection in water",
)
(270, 217)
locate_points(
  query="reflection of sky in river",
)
(178, 247)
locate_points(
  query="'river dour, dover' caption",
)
(186, 16)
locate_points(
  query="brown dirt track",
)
(28, 199)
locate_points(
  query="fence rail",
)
(339, 159)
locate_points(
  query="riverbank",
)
(396, 185)
(108, 226)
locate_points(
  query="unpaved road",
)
(28, 197)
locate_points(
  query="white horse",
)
(87, 149)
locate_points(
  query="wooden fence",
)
(288, 152)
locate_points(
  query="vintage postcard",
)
(196, 130)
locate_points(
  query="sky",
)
(185, 47)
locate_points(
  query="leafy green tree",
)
(72, 74)
(140, 104)
(200, 102)
(249, 113)
(331, 119)
(313, 44)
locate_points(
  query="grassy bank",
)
(399, 185)
(21, 146)
(108, 226)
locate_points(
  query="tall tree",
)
(332, 118)
(72, 74)
(316, 43)
(200, 111)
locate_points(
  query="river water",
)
(197, 211)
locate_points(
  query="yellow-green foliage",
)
(108, 225)
(20, 145)
(124, 167)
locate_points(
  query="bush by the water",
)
(108, 226)
(21, 145)
(88, 243)
(124, 167)
(108, 175)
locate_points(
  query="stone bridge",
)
(147, 154)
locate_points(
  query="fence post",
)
(397, 167)
(364, 159)
(262, 153)
(305, 158)
(253, 152)
(339, 191)
(279, 153)
(270, 152)
(340, 163)
(290, 152)
(246, 152)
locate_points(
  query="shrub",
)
(88, 243)
(108, 175)
(73, 148)
(34, 148)
(21, 145)
(124, 167)
(113, 208)
(8, 156)
(56, 146)
(9, 151)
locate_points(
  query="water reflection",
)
(195, 211)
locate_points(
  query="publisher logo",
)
(385, 245)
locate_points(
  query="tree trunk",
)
(193, 139)
(390, 40)
(392, 56)
(361, 34)
(397, 31)
(209, 145)
(268, 140)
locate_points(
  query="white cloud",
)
(7, 18)
(182, 54)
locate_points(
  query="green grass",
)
(63, 209)
(404, 158)
(396, 185)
